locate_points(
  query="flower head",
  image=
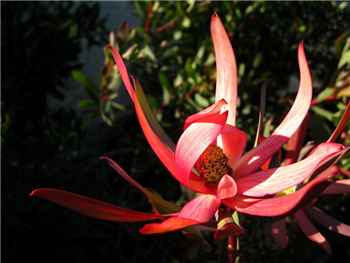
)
(209, 157)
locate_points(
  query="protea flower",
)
(208, 157)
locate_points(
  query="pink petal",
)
(257, 156)
(234, 141)
(156, 137)
(92, 207)
(208, 112)
(168, 225)
(341, 125)
(227, 187)
(275, 180)
(338, 187)
(200, 209)
(282, 205)
(193, 142)
(311, 232)
(295, 143)
(226, 79)
(329, 222)
(163, 146)
(197, 211)
(279, 233)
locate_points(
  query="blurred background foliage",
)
(172, 56)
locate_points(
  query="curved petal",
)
(275, 180)
(253, 159)
(233, 141)
(197, 211)
(193, 142)
(295, 143)
(282, 205)
(156, 137)
(168, 225)
(123, 72)
(329, 222)
(311, 231)
(227, 187)
(226, 76)
(338, 187)
(201, 208)
(208, 112)
(341, 125)
(157, 202)
(91, 207)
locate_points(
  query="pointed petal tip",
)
(33, 193)
(215, 16)
(227, 187)
(169, 225)
(301, 44)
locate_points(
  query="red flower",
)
(208, 157)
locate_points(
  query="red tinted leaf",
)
(91, 207)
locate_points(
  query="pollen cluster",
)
(212, 164)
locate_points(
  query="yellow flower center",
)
(212, 165)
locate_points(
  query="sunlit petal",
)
(252, 160)
(226, 76)
(282, 205)
(327, 221)
(311, 231)
(193, 142)
(275, 180)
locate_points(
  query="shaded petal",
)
(201, 208)
(328, 221)
(168, 225)
(257, 156)
(295, 143)
(279, 233)
(91, 207)
(282, 205)
(311, 231)
(341, 124)
(275, 180)
(233, 141)
(227, 187)
(338, 187)
(193, 142)
(226, 76)
(208, 112)
(158, 203)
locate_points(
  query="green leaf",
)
(165, 87)
(325, 94)
(323, 113)
(201, 101)
(87, 104)
(89, 87)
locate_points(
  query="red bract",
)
(208, 157)
(308, 213)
